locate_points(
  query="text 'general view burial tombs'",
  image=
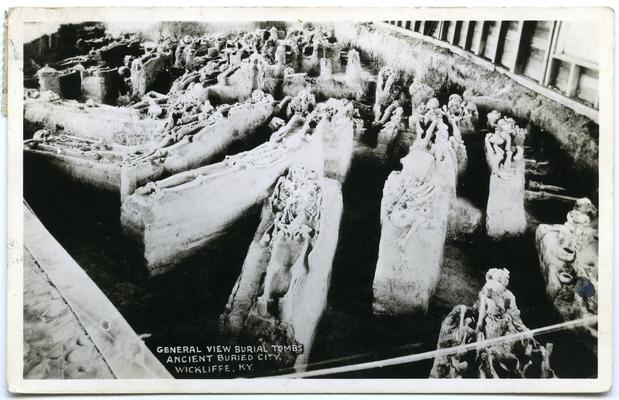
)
(255, 199)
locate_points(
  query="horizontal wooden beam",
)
(577, 61)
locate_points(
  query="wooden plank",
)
(435, 26)
(588, 85)
(512, 31)
(481, 41)
(498, 50)
(551, 73)
(516, 67)
(578, 107)
(441, 29)
(450, 26)
(510, 43)
(561, 73)
(547, 52)
(548, 73)
(534, 66)
(578, 61)
(455, 32)
(462, 34)
(492, 33)
(470, 26)
(538, 42)
(572, 81)
(121, 348)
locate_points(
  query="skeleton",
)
(568, 256)
(420, 94)
(493, 117)
(430, 126)
(494, 315)
(463, 112)
(43, 135)
(391, 128)
(504, 146)
(505, 214)
(387, 91)
(295, 204)
(301, 104)
(187, 118)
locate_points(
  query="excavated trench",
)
(182, 306)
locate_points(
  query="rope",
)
(443, 352)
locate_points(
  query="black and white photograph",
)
(335, 196)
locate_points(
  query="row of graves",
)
(171, 159)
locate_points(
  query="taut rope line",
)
(442, 352)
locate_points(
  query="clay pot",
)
(565, 277)
(566, 254)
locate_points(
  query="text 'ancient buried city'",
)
(223, 359)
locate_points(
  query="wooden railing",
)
(527, 51)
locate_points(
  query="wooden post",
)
(422, 27)
(481, 43)
(572, 81)
(456, 32)
(516, 68)
(441, 29)
(550, 49)
(467, 34)
(500, 42)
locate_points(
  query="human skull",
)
(432, 104)
(493, 117)
(500, 275)
(454, 100)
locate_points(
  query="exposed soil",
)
(182, 307)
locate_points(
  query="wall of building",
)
(554, 54)
(443, 69)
